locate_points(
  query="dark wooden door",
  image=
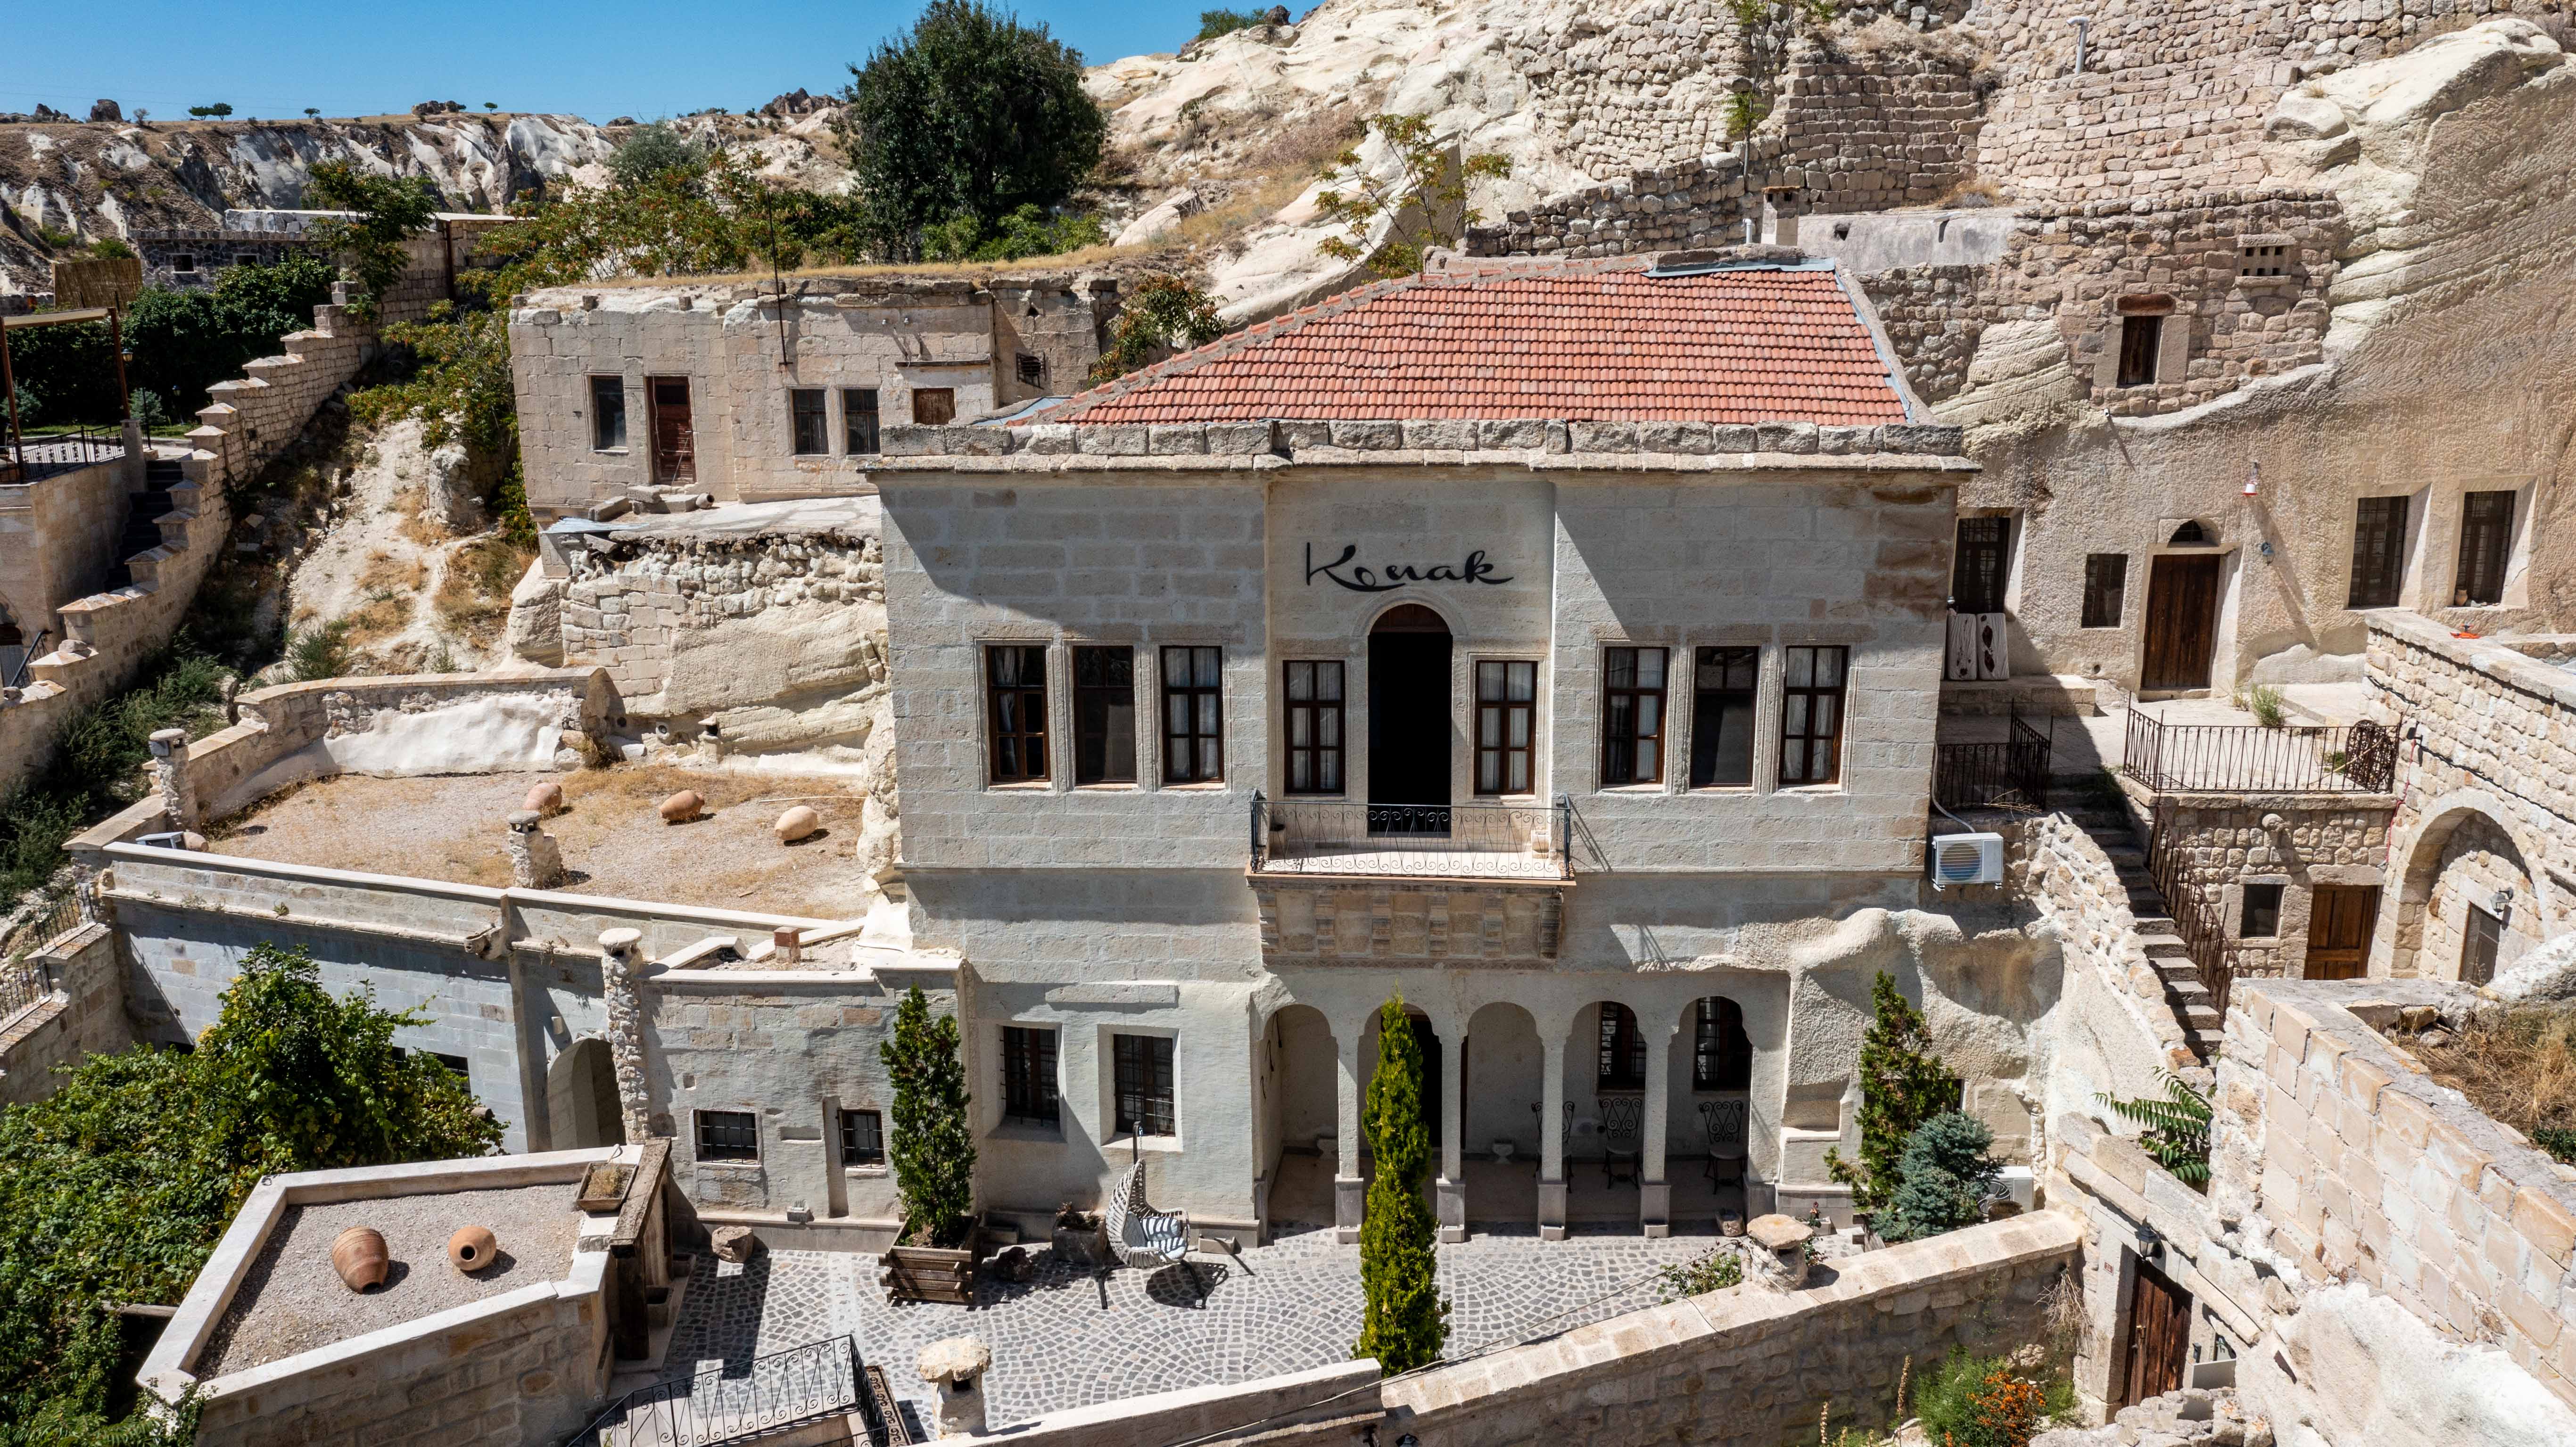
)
(1408, 724)
(2159, 1336)
(2182, 621)
(2340, 920)
(675, 444)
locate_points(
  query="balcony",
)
(1475, 842)
(2170, 758)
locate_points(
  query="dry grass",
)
(417, 525)
(474, 596)
(1087, 257)
(2518, 1064)
(389, 585)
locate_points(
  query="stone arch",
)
(2422, 933)
(582, 1110)
(1502, 1081)
(1384, 613)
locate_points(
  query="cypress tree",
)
(1902, 1085)
(1404, 1320)
(932, 1151)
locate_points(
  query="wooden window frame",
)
(1620, 771)
(2141, 340)
(1193, 752)
(1981, 561)
(1828, 741)
(1142, 1067)
(2106, 589)
(719, 1135)
(809, 422)
(1017, 755)
(1621, 1060)
(2378, 551)
(2272, 896)
(1313, 711)
(855, 1151)
(1089, 735)
(1029, 1092)
(934, 406)
(1494, 719)
(860, 423)
(1717, 1064)
(2484, 565)
(1708, 713)
(605, 390)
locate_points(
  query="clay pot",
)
(471, 1249)
(544, 800)
(796, 824)
(682, 807)
(359, 1255)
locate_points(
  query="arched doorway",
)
(581, 1098)
(2467, 906)
(1408, 722)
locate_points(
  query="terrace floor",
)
(450, 827)
(1068, 1338)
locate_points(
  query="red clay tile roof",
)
(1737, 346)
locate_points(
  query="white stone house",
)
(1556, 647)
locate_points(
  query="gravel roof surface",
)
(291, 1300)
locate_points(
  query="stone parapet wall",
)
(1871, 132)
(84, 1015)
(1748, 1364)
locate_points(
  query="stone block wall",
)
(2224, 842)
(1748, 1364)
(1872, 132)
(84, 1016)
(1934, 317)
(2051, 863)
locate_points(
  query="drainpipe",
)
(2083, 32)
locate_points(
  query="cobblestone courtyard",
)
(1065, 1339)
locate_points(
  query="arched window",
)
(1721, 1053)
(1623, 1049)
(2191, 535)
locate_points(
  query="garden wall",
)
(84, 1016)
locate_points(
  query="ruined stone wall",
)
(1934, 317)
(1646, 89)
(84, 1016)
(2297, 841)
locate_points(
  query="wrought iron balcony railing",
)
(1436, 841)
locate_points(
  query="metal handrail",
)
(2253, 759)
(2008, 774)
(2197, 921)
(717, 1405)
(29, 652)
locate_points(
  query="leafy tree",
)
(117, 1186)
(933, 1151)
(1902, 1085)
(1429, 182)
(1403, 1321)
(1024, 233)
(391, 210)
(313, 110)
(969, 112)
(2177, 1133)
(653, 149)
(1946, 1177)
(1213, 23)
(1159, 315)
(217, 111)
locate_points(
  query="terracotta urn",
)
(796, 824)
(472, 1248)
(544, 799)
(682, 807)
(359, 1255)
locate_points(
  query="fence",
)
(25, 981)
(2248, 758)
(2009, 773)
(1441, 840)
(2198, 922)
(729, 1404)
(32, 459)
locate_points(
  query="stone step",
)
(2202, 1018)
(2160, 945)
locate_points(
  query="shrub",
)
(653, 149)
(2178, 1128)
(1902, 1085)
(2265, 703)
(932, 1152)
(1159, 315)
(968, 112)
(1426, 181)
(1024, 233)
(1946, 1176)
(1716, 1271)
(149, 409)
(1403, 1321)
(319, 654)
(109, 248)
(1972, 1401)
(1213, 23)
(96, 763)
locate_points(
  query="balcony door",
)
(1408, 723)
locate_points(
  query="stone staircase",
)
(2190, 1000)
(162, 476)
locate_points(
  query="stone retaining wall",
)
(85, 1015)
(1748, 1364)
(2053, 864)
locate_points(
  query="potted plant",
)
(932, 1153)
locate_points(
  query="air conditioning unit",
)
(1967, 859)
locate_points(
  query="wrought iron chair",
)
(1724, 1120)
(1564, 1137)
(1622, 1136)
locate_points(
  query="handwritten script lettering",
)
(1360, 578)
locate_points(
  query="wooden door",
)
(2182, 621)
(2159, 1336)
(675, 444)
(2340, 920)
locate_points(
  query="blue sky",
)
(586, 57)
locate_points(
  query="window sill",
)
(725, 1165)
(1507, 798)
(1108, 786)
(866, 1173)
(1811, 790)
(1023, 1130)
(610, 452)
(1196, 786)
(1021, 786)
(1169, 1145)
(1656, 787)
(1721, 790)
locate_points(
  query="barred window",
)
(1143, 1078)
(862, 1138)
(1623, 1049)
(728, 1135)
(2378, 552)
(1721, 1053)
(1028, 1075)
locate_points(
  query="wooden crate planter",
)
(926, 1273)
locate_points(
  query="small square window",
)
(728, 1135)
(2140, 337)
(244, 258)
(1032, 370)
(862, 1138)
(2262, 919)
(183, 264)
(934, 406)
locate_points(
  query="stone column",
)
(1449, 1196)
(1654, 1193)
(1350, 1192)
(170, 781)
(619, 965)
(1551, 1138)
(536, 860)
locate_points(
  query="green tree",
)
(933, 1151)
(1902, 1085)
(1403, 1320)
(969, 112)
(653, 149)
(390, 211)
(1159, 315)
(1427, 199)
(217, 111)
(117, 1186)
(1213, 23)
(2177, 1134)
(1946, 1177)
